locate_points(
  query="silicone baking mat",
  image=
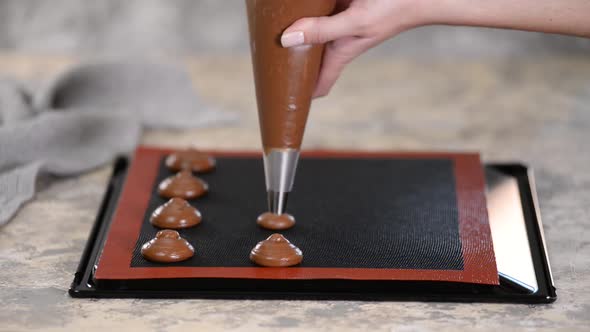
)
(368, 216)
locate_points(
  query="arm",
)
(360, 25)
(571, 17)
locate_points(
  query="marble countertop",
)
(534, 111)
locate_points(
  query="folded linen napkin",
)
(85, 117)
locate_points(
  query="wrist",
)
(421, 12)
(431, 12)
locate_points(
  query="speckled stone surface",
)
(536, 111)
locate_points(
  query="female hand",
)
(358, 25)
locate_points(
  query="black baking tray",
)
(84, 285)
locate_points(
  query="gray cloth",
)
(86, 117)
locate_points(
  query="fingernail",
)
(291, 39)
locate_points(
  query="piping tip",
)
(277, 201)
(279, 169)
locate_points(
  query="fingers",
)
(332, 65)
(336, 56)
(319, 30)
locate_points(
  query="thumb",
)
(318, 30)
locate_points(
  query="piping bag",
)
(285, 79)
